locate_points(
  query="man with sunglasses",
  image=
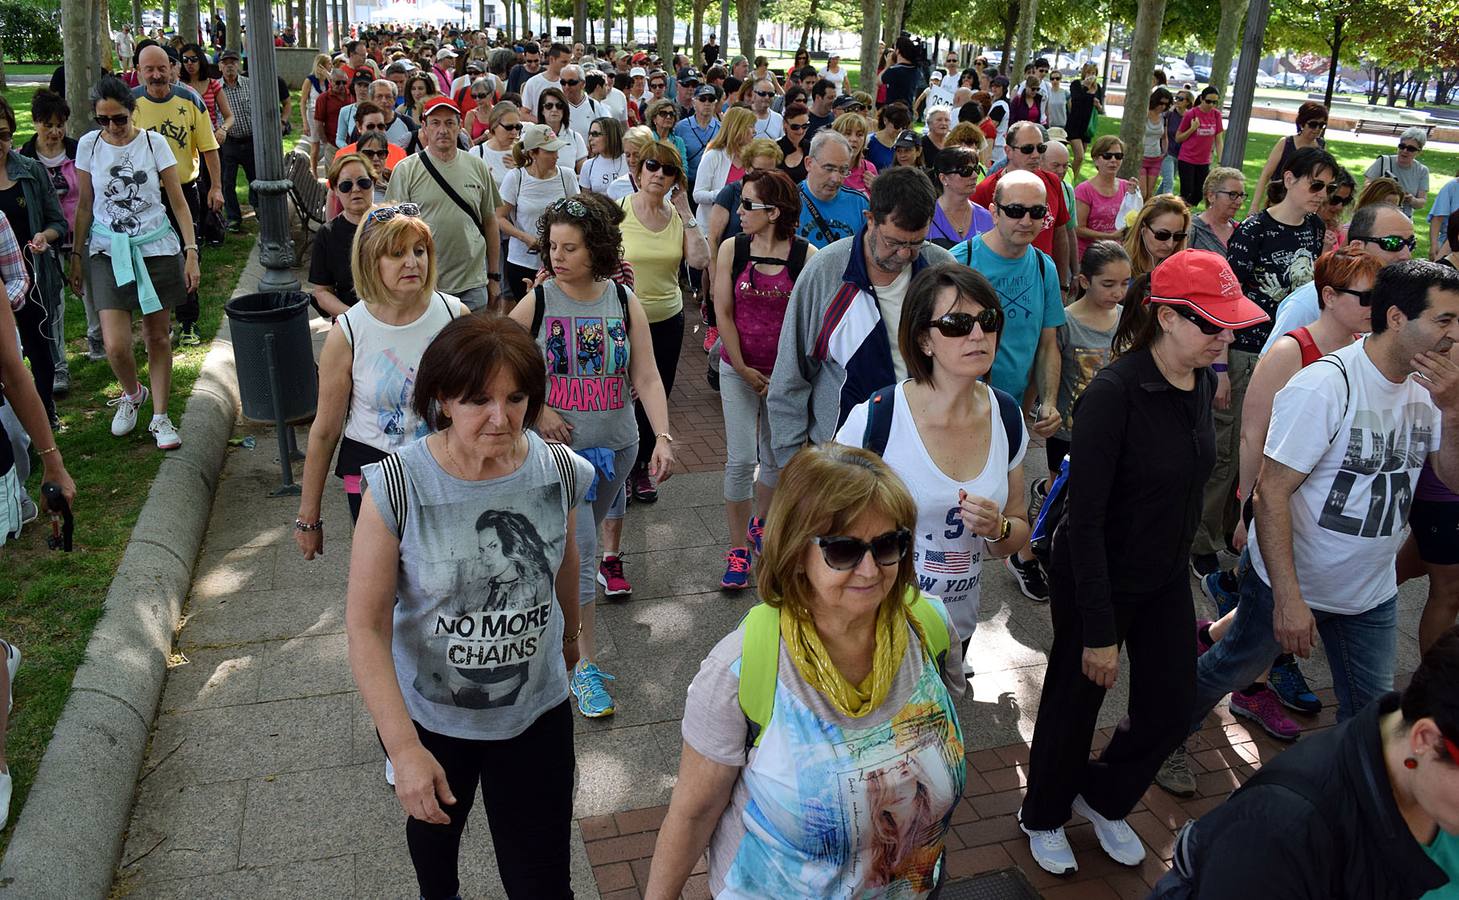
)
(1404, 167)
(581, 109)
(698, 130)
(1025, 149)
(768, 123)
(838, 343)
(531, 64)
(557, 55)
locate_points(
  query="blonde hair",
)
(336, 167)
(736, 130)
(638, 137)
(849, 123)
(1159, 205)
(761, 147)
(322, 65)
(1104, 142)
(1380, 190)
(375, 240)
(823, 491)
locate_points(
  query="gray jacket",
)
(43, 208)
(1203, 238)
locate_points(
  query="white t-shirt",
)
(580, 117)
(600, 172)
(947, 555)
(534, 87)
(621, 187)
(889, 300)
(531, 196)
(617, 103)
(772, 126)
(1349, 516)
(1000, 137)
(838, 77)
(496, 160)
(126, 184)
(577, 149)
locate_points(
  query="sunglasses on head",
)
(364, 183)
(104, 121)
(1164, 234)
(1390, 243)
(1029, 148)
(1018, 210)
(1114, 156)
(844, 553)
(571, 82)
(386, 213)
(960, 324)
(1207, 327)
(573, 207)
(668, 169)
(1409, 147)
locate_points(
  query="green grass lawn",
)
(12, 68)
(54, 599)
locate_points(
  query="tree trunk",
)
(1228, 35)
(696, 35)
(870, 29)
(1141, 81)
(106, 51)
(320, 35)
(187, 20)
(665, 26)
(1334, 44)
(76, 30)
(1010, 22)
(630, 15)
(166, 14)
(747, 20)
(892, 21)
(524, 25)
(4, 86)
(805, 31)
(136, 21)
(580, 20)
(1027, 39)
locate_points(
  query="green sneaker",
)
(1175, 774)
(587, 686)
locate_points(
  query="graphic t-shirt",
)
(1197, 148)
(1271, 260)
(1029, 289)
(530, 196)
(1102, 210)
(586, 347)
(841, 216)
(600, 172)
(1083, 351)
(1349, 516)
(126, 187)
(827, 805)
(183, 120)
(948, 556)
(478, 631)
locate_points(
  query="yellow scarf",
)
(810, 657)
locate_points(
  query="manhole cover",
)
(1004, 884)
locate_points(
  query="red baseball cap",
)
(1203, 281)
(436, 103)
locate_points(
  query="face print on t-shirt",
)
(1386, 446)
(122, 188)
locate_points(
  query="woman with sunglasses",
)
(862, 684)
(1143, 444)
(1311, 131)
(1404, 167)
(200, 74)
(382, 155)
(956, 217)
(661, 116)
(1173, 116)
(1200, 142)
(477, 123)
(1339, 198)
(949, 440)
(793, 144)
(606, 161)
(504, 126)
(537, 181)
(1097, 201)
(352, 179)
(1225, 192)
(122, 161)
(1154, 142)
(1363, 810)
(552, 112)
(749, 306)
(1158, 231)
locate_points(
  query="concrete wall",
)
(294, 63)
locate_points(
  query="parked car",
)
(1176, 69)
(1201, 73)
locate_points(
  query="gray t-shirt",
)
(478, 631)
(1413, 180)
(1084, 351)
(586, 347)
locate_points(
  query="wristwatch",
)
(494, 276)
(666, 436)
(691, 223)
(1003, 532)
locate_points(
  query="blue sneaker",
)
(587, 687)
(756, 534)
(1291, 688)
(1222, 599)
(736, 570)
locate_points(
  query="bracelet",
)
(192, 247)
(666, 436)
(301, 525)
(50, 449)
(575, 635)
(1218, 368)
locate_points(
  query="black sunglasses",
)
(659, 85)
(844, 553)
(376, 154)
(191, 59)
(364, 183)
(593, 134)
(1018, 210)
(964, 171)
(104, 121)
(749, 205)
(571, 82)
(668, 169)
(1316, 126)
(764, 93)
(1391, 243)
(1163, 234)
(1365, 298)
(516, 127)
(553, 106)
(960, 324)
(1114, 156)
(1409, 147)
(1335, 200)
(801, 127)
(1029, 148)
(1207, 327)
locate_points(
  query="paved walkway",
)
(264, 776)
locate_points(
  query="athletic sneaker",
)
(587, 687)
(188, 335)
(711, 334)
(1204, 564)
(126, 416)
(1030, 578)
(756, 534)
(29, 512)
(610, 576)
(61, 382)
(95, 349)
(6, 785)
(1115, 835)
(1036, 498)
(641, 486)
(1202, 645)
(12, 665)
(736, 570)
(1175, 774)
(1287, 682)
(165, 433)
(1265, 709)
(1214, 587)
(1050, 849)
(389, 772)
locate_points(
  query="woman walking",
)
(552, 112)
(1160, 229)
(534, 184)
(1154, 143)
(1097, 201)
(956, 217)
(1086, 100)
(1311, 131)
(331, 269)
(793, 143)
(606, 163)
(1200, 142)
(720, 163)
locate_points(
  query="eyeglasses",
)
(829, 169)
(1409, 148)
(516, 127)
(669, 169)
(1316, 126)
(363, 183)
(1114, 156)
(747, 205)
(844, 553)
(1238, 196)
(1018, 210)
(1162, 234)
(104, 121)
(964, 171)
(1390, 243)
(1207, 327)
(764, 93)
(898, 246)
(386, 213)
(571, 82)
(960, 324)
(1028, 149)
(1365, 298)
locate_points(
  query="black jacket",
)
(1140, 456)
(1319, 821)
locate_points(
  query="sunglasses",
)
(964, 171)
(376, 154)
(1316, 126)
(1390, 243)
(191, 59)
(5, 136)
(516, 127)
(1334, 200)
(1018, 211)
(668, 169)
(1208, 100)
(844, 553)
(1029, 148)
(960, 324)
(659, 85)
(1409, 148)
(1207, 327)
(104, 121)
(1162, 234)
(553, 106)
(764, 93)
(571, 82)
(479, 96)
(1114, 156)
(575, 208)
(386, 213)
(1365, 298)
(593, 134)
(363, 183)
(1318, 185)
(748, 205)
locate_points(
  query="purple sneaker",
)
(756, 534)
(1265, 709)
(736, 570)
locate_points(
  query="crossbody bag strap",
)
(425, 158)
(820, 220)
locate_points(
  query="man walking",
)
(237, 149)
(581, 109)
(698, 130)
(768, 123)
(829, 212)
(1026, 148)
(550, 77)
(399, 128)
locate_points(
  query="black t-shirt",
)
(1272, 259)
(816, 124)
(797, 171)
(711, 54)
(12, 206)
(330, 263)
(929, 155)
(518, 77)
(901, 82)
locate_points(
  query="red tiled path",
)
(694, 411)
(985, 834)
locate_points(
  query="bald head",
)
(1056, 159)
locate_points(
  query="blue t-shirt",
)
(695, 140)
(880, 156)
(1444, 851)
(841, 215)
(1447, 200)
(1031, 303)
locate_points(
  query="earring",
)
(1410, 763)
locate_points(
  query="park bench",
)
(305, 189)
(1376, 126)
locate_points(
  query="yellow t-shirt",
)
(655, 256)
(183, 120)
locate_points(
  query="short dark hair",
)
(776, 189)
(905, 195)
(1308, 161)
(1161, 96)
(599, 225)
(972, 111)
(895, 114)
(531, 47)
(593, 80)
(47, 105)
(111, 87)
(467, 354)
(822, 88)
(1433, 691)
(367, 108)
(922, 300)
(1311, 111)
(1405, 286)
(800, 109)
(350, 47)
(559, 50)
(1366, 219)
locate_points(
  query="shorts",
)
(1150, 166)
(1435, 526)
(102, 290)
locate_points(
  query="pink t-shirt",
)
(1102, 210)
(1197, 147)
(856, 181)
(760, 302)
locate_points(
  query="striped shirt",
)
(241, 103)
(12, 266)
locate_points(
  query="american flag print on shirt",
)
(947, 562)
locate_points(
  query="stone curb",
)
(68, 840)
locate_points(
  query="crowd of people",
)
(518, 237)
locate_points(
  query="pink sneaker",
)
(1265, 709)
(610, 576)
(1202, 645)
(711, 334)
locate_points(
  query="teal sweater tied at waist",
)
(128, 264)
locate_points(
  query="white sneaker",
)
(126, 417)
(29, 512)
(12, 665)
(1115, 835)
(165, 433)
(5, 786)
(1050, 850)
(389, 772)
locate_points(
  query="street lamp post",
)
(275, 251)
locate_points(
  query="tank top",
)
(760, 302)
(1310, 352)
(586, 348)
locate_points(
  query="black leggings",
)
(526, 785)
(35, 343)
(1192, 182)
(188, 311)
(668, 340)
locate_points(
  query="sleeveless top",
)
(1310, 352)
(760, 302)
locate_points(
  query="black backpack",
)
(794, 263)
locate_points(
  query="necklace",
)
(446, 442)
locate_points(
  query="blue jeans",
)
(1167, 175)
(1360, 650)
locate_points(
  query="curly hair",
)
(597, 218)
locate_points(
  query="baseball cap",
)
(1203, 282)
(476, 64)
(637, 72)
(362, 76)
(1058, 134)
(689, 75)
(847, 102)
(706, 91)
(229, 54)
(436, 102)
(445, 53)
(540, 137)
(906, 139)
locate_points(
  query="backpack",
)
(793, 264)
(760, 657)
(541, 309)
(881, 405)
